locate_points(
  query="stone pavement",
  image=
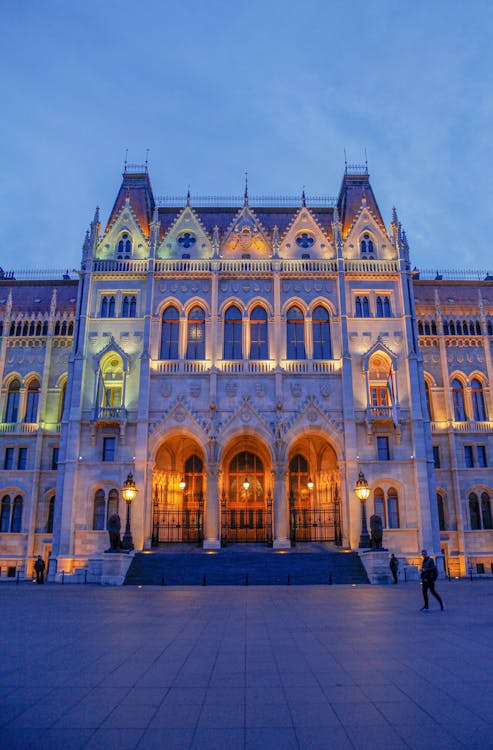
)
(337, 667)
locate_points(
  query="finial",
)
(147, 158)
(125, 165)
(188, 196)
(96, 215)
(246, 189)
(345, 160)
(366, 162)
(303, 197)
(155, 215)
(127, 196)
(395, 220)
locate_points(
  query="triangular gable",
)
(245, 419)
(366, 221)
(179, 418)
(379, 346)
(113, 347)
(313, 418)
(245, 236)
(305, 236)
(125, 221)
(186, 236)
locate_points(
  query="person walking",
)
(394, 566)
(39, 567)
(429, 574)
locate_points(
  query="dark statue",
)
(376, 528)
(114, 526)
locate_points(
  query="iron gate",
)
(322, 524)
(177, 526)
(246, 524)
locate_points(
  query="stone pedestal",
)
(376, 565)
(109, 569)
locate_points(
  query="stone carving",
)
(295, 389)
(231, 389)
(376, 529)
(195, 390)
(114, 526)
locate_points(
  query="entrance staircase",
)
(246, 564)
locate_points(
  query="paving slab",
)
(349, 667)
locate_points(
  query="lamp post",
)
(129, 491)
(363, 492)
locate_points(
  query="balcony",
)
(16, 427)
(111, 414)
(462, 426)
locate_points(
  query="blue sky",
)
(277, 88)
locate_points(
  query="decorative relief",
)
(259, 390)
(180, 414)
(325, 390)
(312, 415)
(231, 389)
(195, 390)
(295, 390)
(166, 390)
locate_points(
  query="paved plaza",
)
(338, 667)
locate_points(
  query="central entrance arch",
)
(246, 500)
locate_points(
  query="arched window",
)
(246, 465)
(259, 345)
(295, 334)
(379, 504)
(132, 313)
(57, 326)
(322, 347)
(441, 512)
(379, 307)
(196, 333)
(31, 328)
(366, 307)
(16, 523)
(38, 328)
(427, 329)
(64, 328)
(445, 328)
(18, 330)
(13, 400)
(392, 509)
(459, 328)
(232, 334)
(63, 392)
(428, 400)
(387, 310)
(170, 334)
(477, 397)
(486, 511)
(45, 328)
(111, 382)
(358, 308)
(366, 246)
(193, 481)
(452, 328)
(458, 400)
(111, 307)
(298, 478)
(489, 328)
(478, 328)
(99, 511)
(104, 312)
(5, 514)
(25, 329)
(474, 512)
(124, 248)
(420, 328)
(51, 515)
(32, 402)
(113, 497)
(125, 307)
(433, 328)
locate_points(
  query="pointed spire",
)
(188, 196)
(155, 227)
(53, 303)
(8, 306)
(303, 197)
(245, 197)
(275, 241)
(215, 241)
(395, 220)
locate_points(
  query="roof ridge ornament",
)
(245, 197)
(303, 197)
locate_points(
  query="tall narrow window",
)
(298, 478)
(51, 515)
(358, 309)
(436, 456)
(232, 334)
(104, 312)
(9, 458)
(481, 451)
(428, 400)
(379, 504)
(468, 456)
(383, 453)
(16, 523)
(111, 307)
(474, 512)
(99, 511)
(295, 334)
(196, 333)
(259, 346)
(458, 400)
(125, 307)
(478, 410)
(113, 498)
(22, 459)
(124, 248)
(109, 444)
(32, 402)
(62, 400)
(392, 509)
(322, 348)
(486, 511)
(13, 399)
(366, 307)
(5, 514)
(387, 310)
(170, 333)
(133, 307)
(441, 512)
(379, 307)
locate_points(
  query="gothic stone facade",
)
(245, 362)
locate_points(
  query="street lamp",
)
(129, 491)
(363, 492)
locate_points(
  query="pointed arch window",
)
(113, 498)
(428, 400)
(358, 308)
(441, 512)
(99, 511)
(124, 248)
(367, 247)
(295, 334)
(458, 400)
(196, 333)
(5, 514)
(132, 313)
(193, 481)
(259, 345)
(379, 307)
(392, 509)
(232, 333)
(111, 382)
(379, 503)
(51, 515)
(16, 523)
(474, 512)
(13, 401)
(366, 307)
(32, 402)
(298, 479)
(322, 347)
(170, 331)
(477, 397)
(125, 307)
(486, 511)
(104, 312)
(387, 310)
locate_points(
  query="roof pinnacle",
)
(303, 197)
(246, 190)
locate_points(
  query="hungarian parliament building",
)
(248, 360)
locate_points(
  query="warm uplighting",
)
(182, 484)
(362, 489)
(129, 492)
(246, 484)
(309, 484)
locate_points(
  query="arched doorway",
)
(314, 492)
(246, 501)
(177, 492)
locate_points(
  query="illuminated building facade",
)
(245, 360)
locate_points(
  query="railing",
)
(119, 266)
(179, 366)
(112, 413)
(308, 266)
(462, 426)
(182, 266)
(452, 274)
(236, 201)
(299, 366)
(24, 427)
(36, 273)
(246, 367)
(383, 413)
(371, 266)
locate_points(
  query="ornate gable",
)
(186, 236)
(245, 236)
(126, 222)
(367, 223)
(305, 236)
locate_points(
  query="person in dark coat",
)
(39, 567)
(429, 574)
(394, 566)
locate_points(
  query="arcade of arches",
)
(246, 498)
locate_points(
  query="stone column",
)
(212, 539)
(281, 514)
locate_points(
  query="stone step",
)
(230, 567)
